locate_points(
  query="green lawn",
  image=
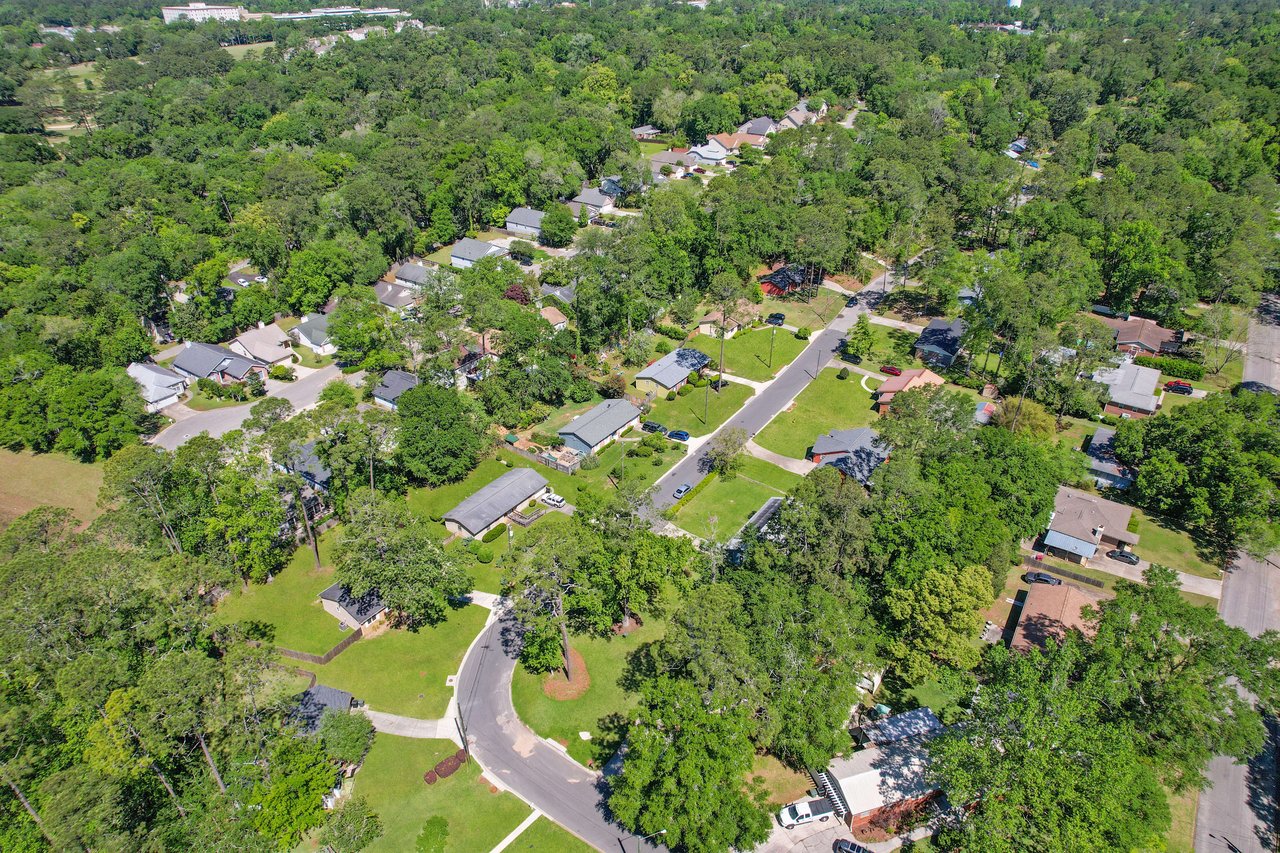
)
(596, 711)
(543, 836)
(307, 358)
(719, 511)
(648, 149)
(601, 479)
(1161, 542)
(29, 480)
(403, 672)
(746, 354)
(827, 403)
(816, 314)
(391, 780)
(1231, 375)
(1181, 835)
(560, 418)
(202, 403)
(686, 412)
(238, 51)
(290, 603)
(783, 784)
(892, 346)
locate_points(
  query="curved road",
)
(509, 751)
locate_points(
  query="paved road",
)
(216, 422)
(766, 404)
(1238, 810)
(510, 752)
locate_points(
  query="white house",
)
(160, 387)
(411, 275)
(467, 251)
(198, 13)
(525, 221)
(313, 333)
(595, 201)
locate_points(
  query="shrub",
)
(209, 388)
(484, 554)
(843, 374)
(547, 439)
(671, 395)
(693, 493)
(685, 390)
(434, 837)
(701, 383)
(613, 386)
(1179, 368)
(281, 372)
(803, 333)
(663, 346)
(674, 332)
(590, 462)
(495, 533)
(656, 462)
(693, 376)
(642, 451)
(436, 517)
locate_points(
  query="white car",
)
(260, 279)
(798, 814)
(553, 500)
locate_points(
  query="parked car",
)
(851, 301)
(846, 846)
(798, 814)
(1124, 556)
(653, 426)
(260, 279)
(776, 319)
(1041, 577)
(681, 490)
(1184, 390)
(1173, 382)
(553, 500)
(678, 435)
(699, 170)
(719, 384)
(890, 370)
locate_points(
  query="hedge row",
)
(495, 533)
(693, 493)
(1177, 367)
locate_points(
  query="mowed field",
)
(29, 480)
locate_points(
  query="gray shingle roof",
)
(358, 610)
(592, 197)
(314, 701)
(942, 336)
(412, 273)
(1131, 385)
(526, 217)
(394, 295)
(759, 126)
(860, 452)
(670, 370)
(1102, 452)
(494, 500)
(566, 293)
(314, 328)
(156, 382)
(469, 249)
(204, 360)
(393, 384)
(310, 466)
(601, 422)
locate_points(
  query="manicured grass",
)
(290, 603)
(543, 836)
(686, 412)
(601, 479)
(600, 710)
(719, 511)
(1181, 835)
(29, 480)
(1072, 432)
(783, 784)
(892, 346)
(817, 313)
(403, 672)
(439, 256)
(648, 149)
(827, 403)
(746, 354)
(238, 51)
(1232, 374)
(1161, 542)
(561, 417)
(391, 780)
(308, 358)
(200, 403)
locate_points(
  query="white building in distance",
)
(198, 13)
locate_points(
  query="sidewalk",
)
(795, 466)
(895, 324)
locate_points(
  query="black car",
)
(1041, 577)
(846, 846)
(1124, 556)
(719, 384)
(851, 301)
(1178, 389)
(776, 319)
(653, 426)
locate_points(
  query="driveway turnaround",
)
(542, 775)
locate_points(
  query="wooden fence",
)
(1041, 565)
(327, 656)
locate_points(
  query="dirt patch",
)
(632, 624)
(557, 687)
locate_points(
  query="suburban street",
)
(542, 775)
(1238, 809)
(302, 393)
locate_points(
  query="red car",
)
(1182, 383)
(890, 370)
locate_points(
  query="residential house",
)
(611, 185)
(312, 332)
(525, 221)
(671, 371)
(878, 785)
(735, 549)
(393, 384)
(1051, 612)
(711, 153)
(918, 722)
(1017, 147)
(1082, 524)
(593, 200)
(733, 142)
(314, 702)
(679, 161)
(467, 251)
(800, 115)
(494, 502)
(1133, 391)
(969, 295)
(856, 453)
(645, 132)
(1106, 471)
(565, 293)
(714, 321)
(474, 358)
(762, 126)
(207, 361)
(269, 344)
(1140, 336)
(411, 275)
(591, 431)
(310, 467)
(395, 296)
(351, 611)
(916, 377)
(939, 343)
(555, 317)
(160, 387)
(784, 280)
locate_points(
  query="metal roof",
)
(496, 499)
(674, 367)
(601, 422)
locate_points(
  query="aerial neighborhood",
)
(635, 426)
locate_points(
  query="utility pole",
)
(772, 335)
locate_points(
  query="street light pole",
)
(641, 839)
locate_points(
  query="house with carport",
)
(494, 503)
(592, 431)
(671, 371)
(1082, 524)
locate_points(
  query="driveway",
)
(217, 422)
(513, 756)
(1190, 583)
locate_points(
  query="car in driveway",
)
(1041, 577)
(1175, 388)
(678, 435)
(553, 500)
(890, 370)
(776, 319)
(1122, 556)
(851, 301)
(844, 845)
(681, 490)
(653, 426)
(798, 814)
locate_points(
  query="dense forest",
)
(131, 720)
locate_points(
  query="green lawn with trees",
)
(746, 354)
(827, 403)
(701, 411)
(720, 509)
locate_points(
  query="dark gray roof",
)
(942, 336)
(358, 610)
(394, 295)
(314, 328)
(592, 197)
(565, 294)
(310, 466)
(1102, 453)
(921, 721)
(494, 500)
(860, 452)
(601, 422)
(674, 367)
(469, 249)
(412, 273)
(759, 126)
(314, 701)
(525, 216)
(205, 360)
(393, 384)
